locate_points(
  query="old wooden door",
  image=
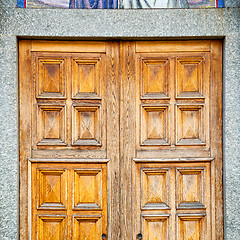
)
(120, 140)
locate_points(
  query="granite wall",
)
(125, 24)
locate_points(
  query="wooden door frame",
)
(25, 95)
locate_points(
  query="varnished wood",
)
(25, 92)
(186, 83)
(113, 136)
(64, 46)
(216, 135)
(127, 137)
(120, 138)
(63, 140)
(173, 46)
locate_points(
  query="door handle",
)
(139, 236)
(104, 236)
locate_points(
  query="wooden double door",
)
(120, 140)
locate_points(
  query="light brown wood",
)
(127, 136)
(25, 100)
(113, 139)
(68, 198)
(64, 46)
(120, 138)
(63, 140)
(177, 156)
(173, 46)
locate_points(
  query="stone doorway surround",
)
(161, 24)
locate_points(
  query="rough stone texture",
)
(9, 139)
(231, 3)
(8, 3)
(232, 136)
(116, 24)
(108, 23)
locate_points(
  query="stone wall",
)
(116, 24)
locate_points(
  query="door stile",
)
(216, 134)
(113, 143)
(24, 133)
(127, 136)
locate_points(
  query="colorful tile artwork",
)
(119, 4)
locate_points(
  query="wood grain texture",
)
(120, 138)
(25, 93)
(64, 46)
(216, 133)
(69, 200)
(113, 136)
(172, 46)
(127, 136)
(190, 92)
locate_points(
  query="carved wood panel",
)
(120, 138)
(180, 82)
(68, 195)
(69, 100)
(174, 199)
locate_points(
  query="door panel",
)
(68, 198)
(174, 199)
(174, 167)
(120, 138)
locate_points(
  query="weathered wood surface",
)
(120, 138)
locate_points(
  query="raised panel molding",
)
(52, 189)
(120, 138)
(155, 188)
(189, 77)
(190, 125)
(86, 78)
(51, 78)
(87, 227)
(156, 227)
(51, 125)
(51, 227)
(174, 193)
(88, 189)
(86, 130)
(155, 78)
(154, 125)
(190, 183)
(192, 226)
(69, 199)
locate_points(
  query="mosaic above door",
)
(119, 4)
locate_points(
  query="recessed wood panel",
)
(189, 76)
(87, 228)
(155, 188)
(154, 78)
(88, 189)
(154, 125)
(190, 125)
(157, 103)
(192, 226)
(51, 78)
(191, 190)
(51, 227)
(51, 129)
(86, 78)
(52, 188)
(156, 227)
(86, 125)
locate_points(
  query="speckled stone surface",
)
(231, 3)
(8, 3)
(232, 136)
(9, 139)
(108, 23)
(116, 24)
